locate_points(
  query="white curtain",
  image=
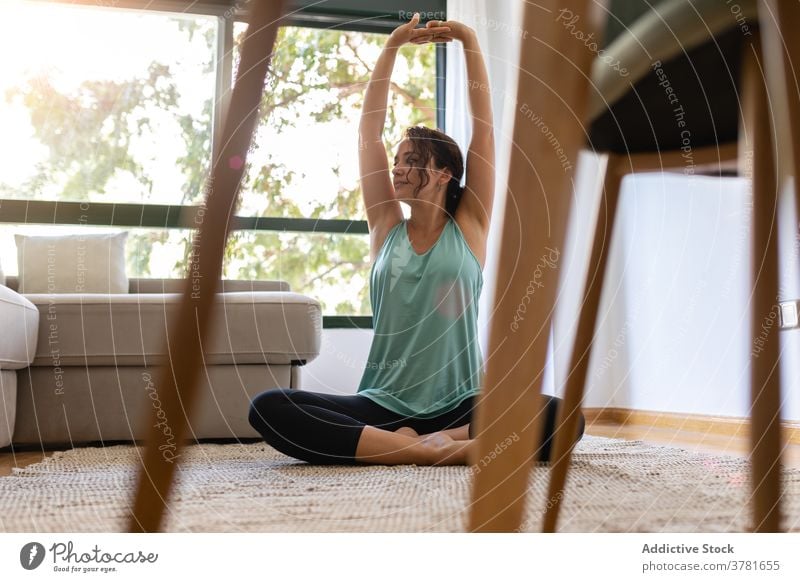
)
(674, 317)
(499, 34)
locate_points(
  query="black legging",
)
(324, 429)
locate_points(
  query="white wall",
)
(789, 241)
(342, 359)
(675, 318)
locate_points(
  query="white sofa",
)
(83, 367)
(20, 321)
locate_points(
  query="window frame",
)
(13, 211)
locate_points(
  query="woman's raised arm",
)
(480, 165)
(376, 183)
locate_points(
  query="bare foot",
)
(407, 430)
(446, 451)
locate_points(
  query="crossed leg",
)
(325, 429)
(350, 429)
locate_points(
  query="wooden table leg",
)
(567, 424)
(552, 101)
(177, 386)
(758, 161)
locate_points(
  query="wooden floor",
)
(693, 441)
(10, 460)
(713, 443)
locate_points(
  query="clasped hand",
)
(433, 32)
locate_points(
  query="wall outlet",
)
(789, 314)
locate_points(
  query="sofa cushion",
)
(73, 263)
(92, 329)
(20, 321)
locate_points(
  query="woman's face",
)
(406, 177)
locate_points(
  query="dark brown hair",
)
(434, 144)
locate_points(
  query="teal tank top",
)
(425, 358)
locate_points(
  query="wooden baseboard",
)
(719, 425)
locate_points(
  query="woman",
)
(417, 394)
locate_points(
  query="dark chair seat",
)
(688, 97)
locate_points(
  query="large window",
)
(108, 105)
(92, 113)
(304, 162)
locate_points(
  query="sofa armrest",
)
(20, 318)
(18, 339)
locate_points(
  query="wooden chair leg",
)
(569, 412)
(177, 387)
(554, 69)
(765, 437)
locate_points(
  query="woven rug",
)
(614, 486)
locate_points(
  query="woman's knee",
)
(552, 405)
(264, 406)
(581, 426)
